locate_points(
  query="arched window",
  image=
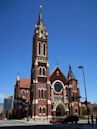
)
(40, 109)
(45, 94)
(39, 93)
(44, 71)
(40, 71)
(39, 48)
(23, 93)
(42, 94)
(44, 49)
(43, 109)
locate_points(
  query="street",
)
(20, 124)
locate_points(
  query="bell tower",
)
(40, 84)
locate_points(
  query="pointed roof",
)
(57, 74)
(24, 83)
(40, 18)
(70, 74)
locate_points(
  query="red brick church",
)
(45, 95)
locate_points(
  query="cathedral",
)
(45, 95)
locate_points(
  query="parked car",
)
(56, 120)
(71, 119)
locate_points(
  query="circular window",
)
(58, 87)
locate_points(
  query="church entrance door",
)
(60, 111)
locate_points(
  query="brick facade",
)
(45, 96)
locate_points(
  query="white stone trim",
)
(35, 81)
(48, 82)
(47, 64)
(36, 62)
(70, 86)
(49, 101)
(37, 116)
(35, 101)
(40, 117)
(41, 74)
(36, 31)
(79, 104)
(66, 86)
(49, 116)
(23, 90)
(40, 114)
(72, 104)
(42, 89)
(57, 72)
(46, 33)
(56, 103)
(35, 25)
(44, 106)
(57, 81)
(39, 42)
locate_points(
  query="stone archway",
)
(60, 111)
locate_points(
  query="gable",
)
(58, 75)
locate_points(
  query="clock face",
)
(58, 87)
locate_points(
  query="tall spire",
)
(40, 12)
(40, 19)
(70, 74)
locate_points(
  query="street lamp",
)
(81, 67)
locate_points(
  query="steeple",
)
(40, 29)
(70, 74)
(40, 85)
(40, 18)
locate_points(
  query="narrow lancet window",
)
(39, 48)
(43, 49)
(44, 71)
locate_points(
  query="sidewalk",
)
(34, 122)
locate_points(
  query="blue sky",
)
(72, 28)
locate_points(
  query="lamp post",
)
(81, 67)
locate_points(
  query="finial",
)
(18, 78)
(40, 12)
(40, 6)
